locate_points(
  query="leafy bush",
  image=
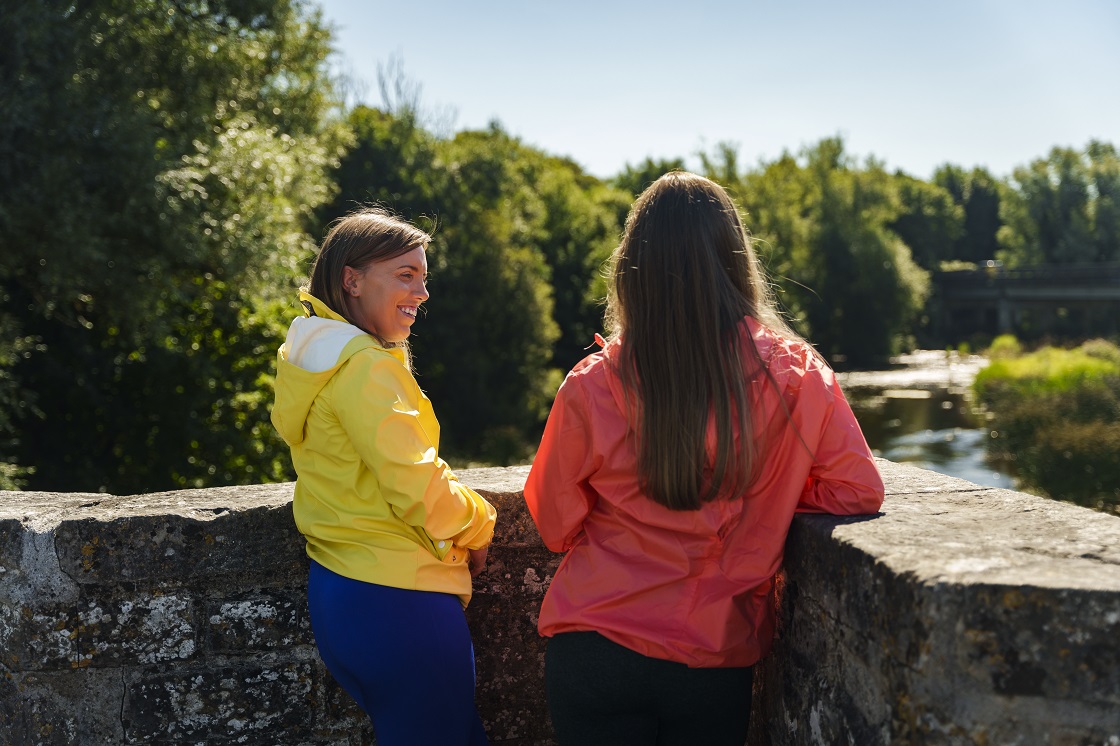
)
(1057, 416)
(1049, 370)
(1004, 346)
(1102, 349)
(1077, 461)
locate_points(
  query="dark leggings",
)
(404, 656)
(600, 692)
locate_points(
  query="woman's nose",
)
(422, 290)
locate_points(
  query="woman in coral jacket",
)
(670, 469)
(393, 537)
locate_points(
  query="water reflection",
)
(922, 413)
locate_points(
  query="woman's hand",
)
(476, 560)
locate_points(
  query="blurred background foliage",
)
(167, 168)
(1057, 417)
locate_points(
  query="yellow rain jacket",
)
(373, 498)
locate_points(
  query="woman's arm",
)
(378, 404)
(843, 479)
(556, 492)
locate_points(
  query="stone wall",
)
(959, 615)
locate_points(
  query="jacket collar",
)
(318, 308)
(321, 310)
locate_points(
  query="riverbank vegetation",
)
(167, 169)
(1056, 415)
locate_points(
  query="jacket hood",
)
(317, 345)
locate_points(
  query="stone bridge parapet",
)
(959, 615)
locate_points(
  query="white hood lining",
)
(314, 343)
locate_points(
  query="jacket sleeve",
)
(377, 403)
(556, 491)
(843, 479)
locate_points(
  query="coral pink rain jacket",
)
(689, 586)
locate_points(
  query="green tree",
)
(635, 178)
(515, 289)
(978, 193)
(1104, 171)
(14, 397)
(392, 161)
(929, 221)
(485, 347)
(1063, 209)
(823, 227)
(157, 176)
(868, 289)
(582, 225)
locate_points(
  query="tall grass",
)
(1057, 417)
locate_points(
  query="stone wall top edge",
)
(14, 504)
(495, 479)
(69, 506)
(900, 479)
(990, 538)
(259, 493)
(929, 527)
(903, 478)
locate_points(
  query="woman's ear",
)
(350, 277)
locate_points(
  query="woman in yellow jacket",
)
(393, 537)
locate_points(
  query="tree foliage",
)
(930, 222)
(1057, 417)
(635, 178)
(825, 228)
(157, 175)
(1064, 208)
(976, 192)
(485, 346)
(582, 225)
(391, 161)
(519, 237)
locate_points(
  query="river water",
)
(921, 411)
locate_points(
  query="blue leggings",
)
(404, 656)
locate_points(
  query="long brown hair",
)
(683, 278)
(367, 235)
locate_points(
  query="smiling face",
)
(384, 297)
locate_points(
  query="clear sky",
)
(915, 84)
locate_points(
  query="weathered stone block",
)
(269, 620)
(29, 570)
(11, 545)
(1033, 642)
(144, 628)
(61, 709)
(509, 652)
(337, 716)
(252, 702)
(257, 541)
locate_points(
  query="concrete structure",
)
(960, 615)
(1074, 300)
